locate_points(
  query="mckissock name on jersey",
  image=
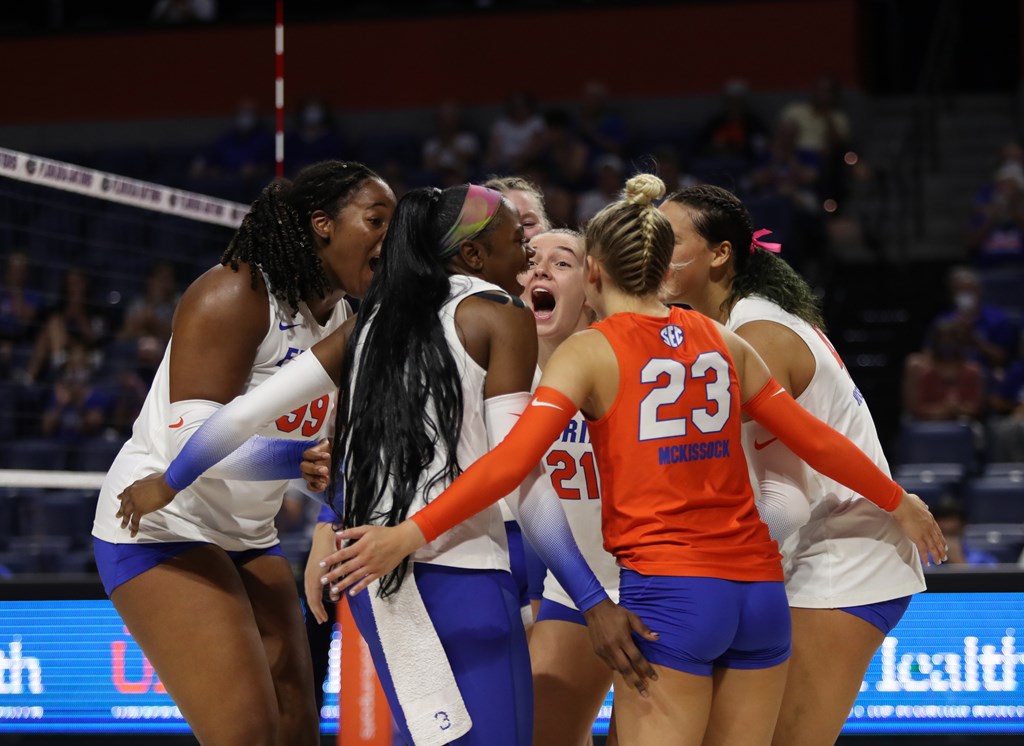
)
(693, 452)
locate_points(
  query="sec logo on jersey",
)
(672, 335)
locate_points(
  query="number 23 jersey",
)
(676, 494)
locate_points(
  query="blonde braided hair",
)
(632, 238)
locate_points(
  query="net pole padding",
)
(363, 711)
(279, 89)
(68, 177)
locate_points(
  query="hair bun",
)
(643, 189)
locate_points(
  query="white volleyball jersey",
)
(232, 514)
(572, 468)
(480, 541)
(850, 552)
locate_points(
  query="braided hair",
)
(719, 216)
(401, 392)
(632, 238)
(276, 235)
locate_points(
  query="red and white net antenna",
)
(279, 89)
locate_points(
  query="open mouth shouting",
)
(543, 302)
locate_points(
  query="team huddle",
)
(561, 462)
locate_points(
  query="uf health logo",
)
(119, 666)
(19, 672)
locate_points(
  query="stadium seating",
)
(1004, 540)
(937, 442)
(994, 500)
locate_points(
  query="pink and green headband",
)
(478, 210)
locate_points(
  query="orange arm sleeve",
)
(499, 472)
(823, 448)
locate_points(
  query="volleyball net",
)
(82, 249)
(86, 254)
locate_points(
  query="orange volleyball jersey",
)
(677, 498)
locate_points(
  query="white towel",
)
(422, 676)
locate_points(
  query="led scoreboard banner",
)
(951, 666)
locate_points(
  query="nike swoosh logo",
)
(536, 403)
(179, 423)
(759, 446)
(286, 327)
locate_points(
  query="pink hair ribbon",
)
(757, 243)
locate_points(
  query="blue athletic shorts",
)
(885, 614)
(536, 571)
(478, 622)
(119, 563)
(552, 610)
(517, 561)
(706, 623)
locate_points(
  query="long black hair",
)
(401, 392)
(276, 235)
(719, 216)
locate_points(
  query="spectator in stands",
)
(667, 167)
(952, 519)
(736, 131)
(787, 170)
(600, 126)
(996, 231)
(561, 152)
(77, 406)
(73, 317)
(1006, 428)
(148, 319)
(991, 335)
(453, 146)
(313, 137)
(784, 170)
(609, 179)
(515, 136)
(941, 382)
(822, 129)
(245, 150)
(19, 307)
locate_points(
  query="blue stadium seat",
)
(35, 453)
(76, 561)
(41, 552)
(16, 563)
(60, 513)
(1004, 540)
(8, 410)
(994, 500)
(949, 474)
(931, 491)
(1012, 469)
(95, 454)
(937, 442)
(1003, 287)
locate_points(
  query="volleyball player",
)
(570, 681)
(663, 389)
(203, 586)
(527, 569)
(436, 369)
(850, 569)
